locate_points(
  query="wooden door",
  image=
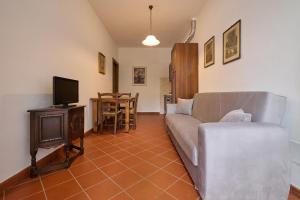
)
(115, 76)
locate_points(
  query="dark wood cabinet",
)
(184, 70)
(50, 127)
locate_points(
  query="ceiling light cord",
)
(151, 7)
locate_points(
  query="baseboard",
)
(25, 173)
(295, 191)
(148, 113)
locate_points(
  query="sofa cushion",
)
(236, 116)
(185, 130)
(184, 106)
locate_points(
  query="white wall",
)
(157, 61)
(270, 55)
(40, 39)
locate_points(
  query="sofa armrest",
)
(171, 108)
(241, 159)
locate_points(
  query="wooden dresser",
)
(184, 70)
(53, 126)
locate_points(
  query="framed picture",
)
(139, 75)
(209, 52)
(101, 63)
(232, 43)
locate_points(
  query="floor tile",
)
(114, 168)
(82, 168)
(134, 149)
(175, 169)
(116, 141)
(183, 191)
(165, 196)
(55, 178)
(172, 155)
(79, 160)
(126, 179)
(37, 196)
(168, 145)
(125, 145)
(162, 179)
(89, 149)
(120, 155)
(91, 178)
(131, 161)
(79, 196)
(146, 155)
(63, 190)
(159, 161)
(94, 155)
(146, 145)
(158, 150)
(92, 140)
(144, 190)
(103, 191)
(144, 169)
(104, 160)
(102, 145)
(121, 196)
(186, 178)
(23, 190)
(111, 149)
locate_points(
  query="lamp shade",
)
(151, 41)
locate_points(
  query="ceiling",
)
(128, 20)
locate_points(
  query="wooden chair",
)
(108, 108)
(133, 110)
(124, 95)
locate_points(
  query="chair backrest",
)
(135, 103)
(107, 102)
(127, 95)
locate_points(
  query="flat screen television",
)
(65, 91)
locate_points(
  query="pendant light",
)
(151, 39)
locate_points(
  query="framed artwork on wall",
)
(101, 63)
(209, 52)
(139, 76)
(232, 43)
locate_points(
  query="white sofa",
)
(234, 161)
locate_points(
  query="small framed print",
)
(209, 52)
(232, 43)
(139, 76)
(101, 63)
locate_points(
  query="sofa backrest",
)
(264, 106)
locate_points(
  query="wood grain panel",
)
(184, 63)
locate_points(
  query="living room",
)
(43, 39)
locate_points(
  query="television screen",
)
(65, 91)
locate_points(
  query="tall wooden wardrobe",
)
(184, 71)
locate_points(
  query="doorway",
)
(115, 76)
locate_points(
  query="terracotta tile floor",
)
(139, 165)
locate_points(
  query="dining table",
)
(124, 101)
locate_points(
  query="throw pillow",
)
(237, 116)
(184, 106)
